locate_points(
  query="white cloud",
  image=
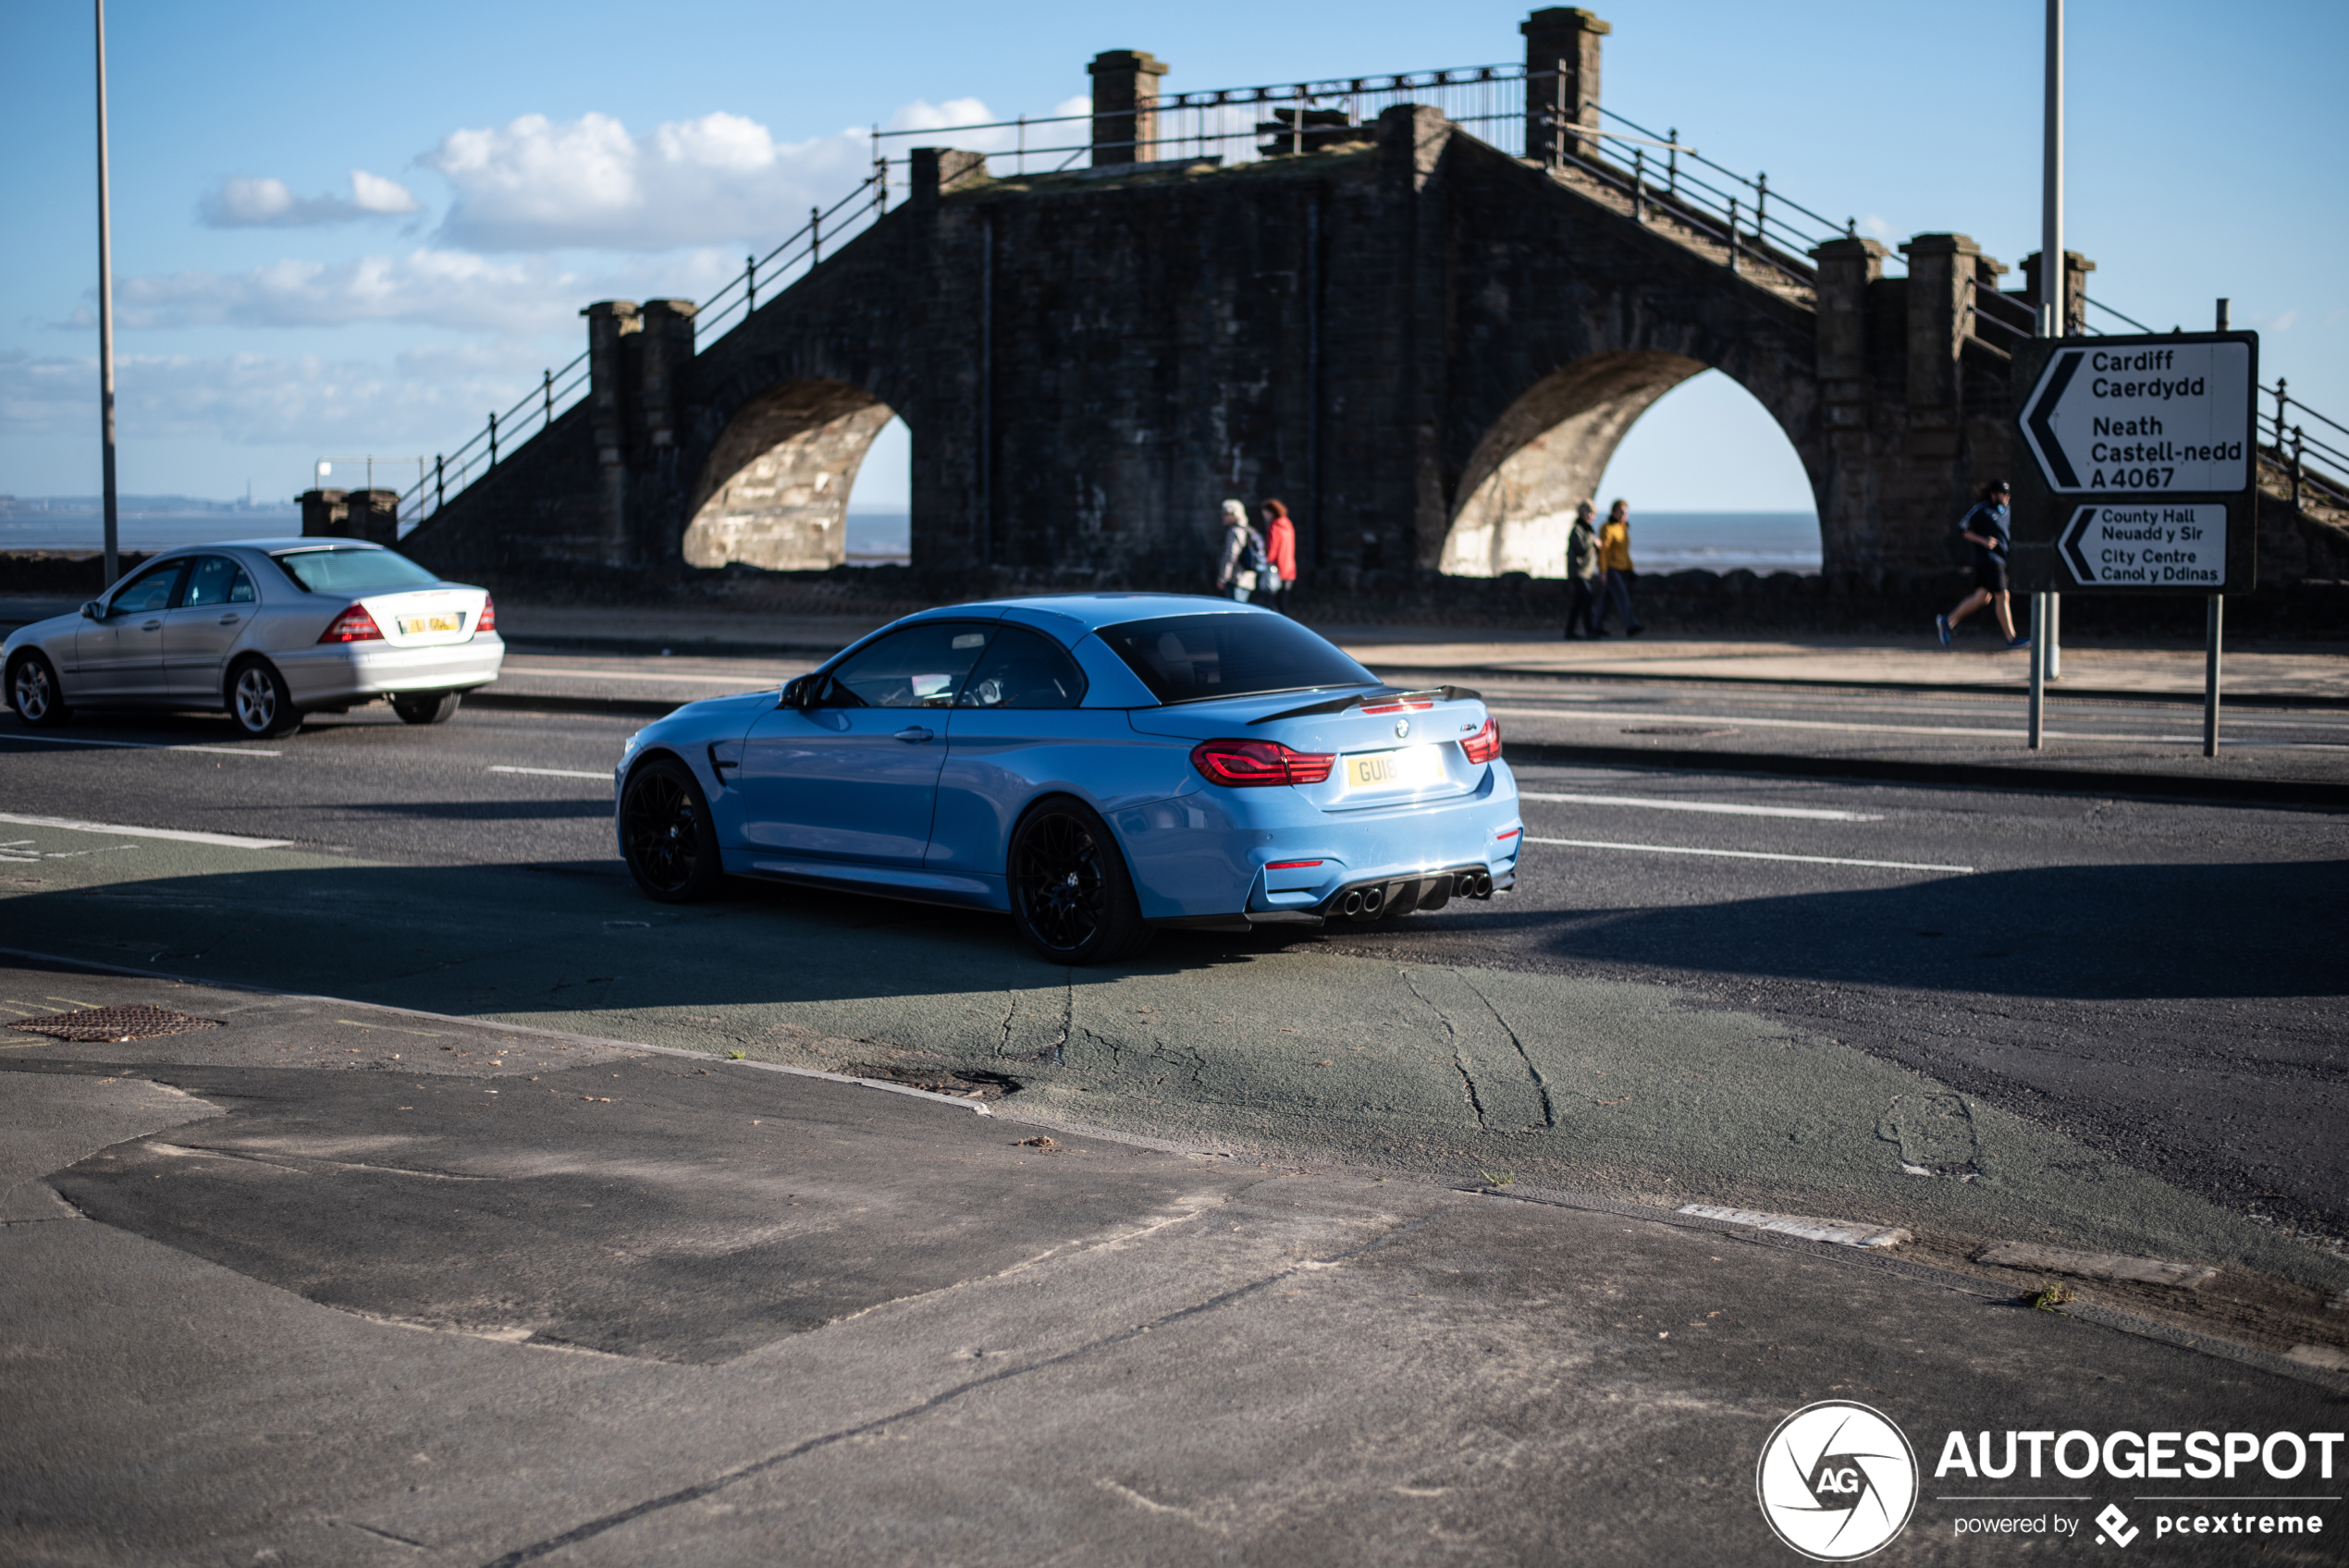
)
(241, 203)
(428, 287)
(419, 401)
(1877, 227)
(536, 184)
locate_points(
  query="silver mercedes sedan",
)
(268, 630)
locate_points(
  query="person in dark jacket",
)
(1582, 574)
(1985, 527)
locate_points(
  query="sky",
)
(341, 230)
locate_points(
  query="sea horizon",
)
(1661, 541)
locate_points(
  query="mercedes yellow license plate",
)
(1405, 768)
(415, 625)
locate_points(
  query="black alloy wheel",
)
(667, 834)
(259, 702)
(34, 691)
(426, 708)
(1071, 895)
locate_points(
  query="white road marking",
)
(183, 836)
(1746, 855)
(554, 773)
(1811, 814)
(747, 683)
(140, 745)
(1668, 716)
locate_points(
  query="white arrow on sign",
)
(2142, 418)
(2147, 544)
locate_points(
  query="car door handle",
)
(152, 626)
(228, 620)
(916, 734)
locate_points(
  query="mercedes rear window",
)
(1182, 658)
(333, 571)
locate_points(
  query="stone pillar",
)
(611, 326)
(2076, 268)
(1943, 274)
(665, 346)
(1846, 269)
(373, 515)
(934, 171)
(1561, 79)
(1124, 105)
(325, 514)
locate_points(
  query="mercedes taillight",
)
(354, 625)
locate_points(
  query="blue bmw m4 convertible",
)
(1096, 765)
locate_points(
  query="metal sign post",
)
(2143, 474)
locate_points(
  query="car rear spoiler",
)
(1427, 697)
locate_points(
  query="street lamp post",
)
(2054, 297)
(105, 320)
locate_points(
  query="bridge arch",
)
(773, 492)
(1547, 452)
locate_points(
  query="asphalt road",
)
(384, 1285)
(2156, 983)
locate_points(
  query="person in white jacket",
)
(1243, 547)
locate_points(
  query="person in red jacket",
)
(1280, 543)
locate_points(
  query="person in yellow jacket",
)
(1614, 559)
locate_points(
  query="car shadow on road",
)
(2087, 933)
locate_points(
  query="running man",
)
(1985, 527)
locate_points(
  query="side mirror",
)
(91, 611)
(795, 691)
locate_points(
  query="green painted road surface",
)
(1457, 1072)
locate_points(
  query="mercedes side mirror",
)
(92, 610)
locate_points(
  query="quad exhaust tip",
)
(1473, 884)
(1353, 904)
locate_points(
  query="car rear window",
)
(343, 570)
(1182, 658)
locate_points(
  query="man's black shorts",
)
(1989, 572)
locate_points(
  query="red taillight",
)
(1510, 834)
(1244, 763)
(1291, 864)
(1399, 708)
(354, 625)
(489, 621)
(1485, 745)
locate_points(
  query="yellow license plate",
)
(415, 625)
(1407, 768)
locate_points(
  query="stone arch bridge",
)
(1427, 343)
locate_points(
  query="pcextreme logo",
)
(1836, 1481)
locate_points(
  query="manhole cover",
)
(141, 1022)
(1680, 730)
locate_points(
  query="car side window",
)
(211, 581)
(148, 592)
(240, 591)
(1024, 669)
(921, 667)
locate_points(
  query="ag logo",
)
(1836, 1481)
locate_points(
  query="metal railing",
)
(451, 471)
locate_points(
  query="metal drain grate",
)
(141, 1022)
